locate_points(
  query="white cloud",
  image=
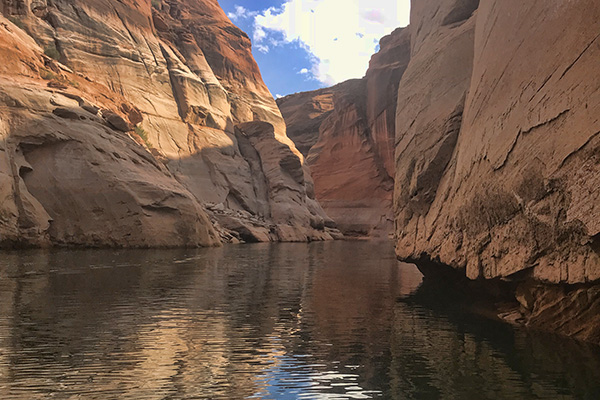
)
(340, 35)
(278, 96)
(241, 13)
(303, 71)
(262, 48)
(259, 34)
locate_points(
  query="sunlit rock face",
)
(121, 126)
(347, 134)
(497, 146)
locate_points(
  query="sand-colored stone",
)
(497, 151)
(184, 77)
(496, 142)
(347, 134)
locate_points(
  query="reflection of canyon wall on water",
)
(209, 149)
(347, 134)
(135, 337)
(478, 360)
(482, 358)
(212, 322)
(221, 323)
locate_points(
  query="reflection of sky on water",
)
(291, 378)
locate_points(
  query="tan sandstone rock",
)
(508, 184)
(184, 77)
(497, 147)
(347, 134)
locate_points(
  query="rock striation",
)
(142, 124)
(347, 133)
(497, 146)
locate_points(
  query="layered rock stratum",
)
(493, 108)
(142, 123)
(347, 133)
(497, 152)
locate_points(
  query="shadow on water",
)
(444, 348)
(287, 321)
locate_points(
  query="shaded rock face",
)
(124, 124)
(347, 134)
(497, 146)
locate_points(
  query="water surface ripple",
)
(266, 321)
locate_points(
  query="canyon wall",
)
(142, 123)
(346, 133)
(498, 152)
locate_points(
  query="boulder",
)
(117, 122)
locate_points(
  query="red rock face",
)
(497, 147)
(183, 76)
(347, 134)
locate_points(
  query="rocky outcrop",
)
(347, 134)
(125, 123)
(496, 151)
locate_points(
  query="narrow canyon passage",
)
(293, 199)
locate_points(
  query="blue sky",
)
(303, 45)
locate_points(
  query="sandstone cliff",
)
(497, 171)
(347, 133)
(142, 123)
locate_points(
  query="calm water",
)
(288, 321)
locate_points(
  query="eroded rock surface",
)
(347, 133)
(497, 150)
(122, 124)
